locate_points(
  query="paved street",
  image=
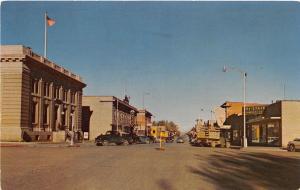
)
(180, 166)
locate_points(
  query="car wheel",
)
(125, 143)
(104, 143)
(291, 148)
(98, 144)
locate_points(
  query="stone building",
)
(143, 122)
(279, 124)
(39, 100)
(105, 113)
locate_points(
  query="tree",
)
(170, 125)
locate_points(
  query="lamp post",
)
(132, 121)
(72, 130)
(117, 115)
(146, 128)
(244, 74)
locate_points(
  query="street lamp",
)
(146, 127)
(244, 74)
(72, 130)
(117, 115)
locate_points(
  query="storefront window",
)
(263, 133)
(235, 135)
(255, 133)
(273, 134)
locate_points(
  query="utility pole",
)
(244, 138)
(244, 74)
(145, 121)
(117, 115)
(284, 91)
(72, 130)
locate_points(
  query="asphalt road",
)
(142, 167)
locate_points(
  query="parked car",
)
(142, 140)
(294, 145)
(110, 137)
(169, 140)
(128, 137)
(180, 140)
(153, 139)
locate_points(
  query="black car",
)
(128, 137)
(111, 137)
(142, 140)
(153, 139)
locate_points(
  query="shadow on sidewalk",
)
(249, 171)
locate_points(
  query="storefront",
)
(264, 131)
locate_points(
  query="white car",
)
(180, 140)
(294, 145)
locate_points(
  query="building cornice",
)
(19, 53)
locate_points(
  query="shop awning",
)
(262, 120)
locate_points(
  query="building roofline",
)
(21, 51)
(114, 98)
(287, 101)
(247, 104)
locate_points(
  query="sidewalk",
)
(258, 148)
(37, 144)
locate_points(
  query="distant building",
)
(234, 117)
(279, 123)
(39, 100)
(143, 122)
(156, 131)
(105, 113)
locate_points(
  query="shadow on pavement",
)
(249, 171)
(165, 184)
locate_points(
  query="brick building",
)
(143, 122)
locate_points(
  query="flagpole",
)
(45, 40)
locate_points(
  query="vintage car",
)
(294, 145)
(111, 137)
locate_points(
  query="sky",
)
(173, 52)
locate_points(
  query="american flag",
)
(50, 21)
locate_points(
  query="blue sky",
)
(174, 50)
